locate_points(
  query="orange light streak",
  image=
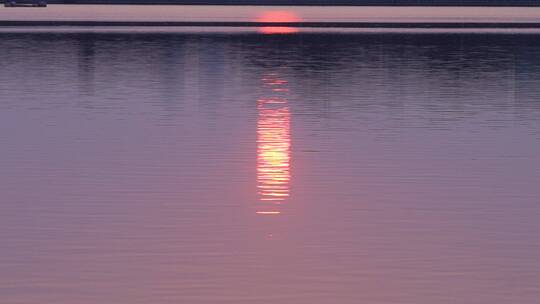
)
(268, 212)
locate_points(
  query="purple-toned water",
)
(249, 168)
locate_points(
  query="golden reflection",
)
(268, 212)
(273, 147)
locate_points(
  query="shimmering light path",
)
(273, 145)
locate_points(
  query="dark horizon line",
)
(429, 3)
(408, 25)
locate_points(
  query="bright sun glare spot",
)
(278, 17)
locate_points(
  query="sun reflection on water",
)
(273, 147)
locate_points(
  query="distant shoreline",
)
(352, 25)
(397, 3)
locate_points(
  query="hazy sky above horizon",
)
(279, 13)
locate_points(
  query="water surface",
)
(248, 168)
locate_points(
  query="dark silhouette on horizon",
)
(312, 2)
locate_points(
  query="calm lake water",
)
(250, 168)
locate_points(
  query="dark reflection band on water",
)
(273, 146)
